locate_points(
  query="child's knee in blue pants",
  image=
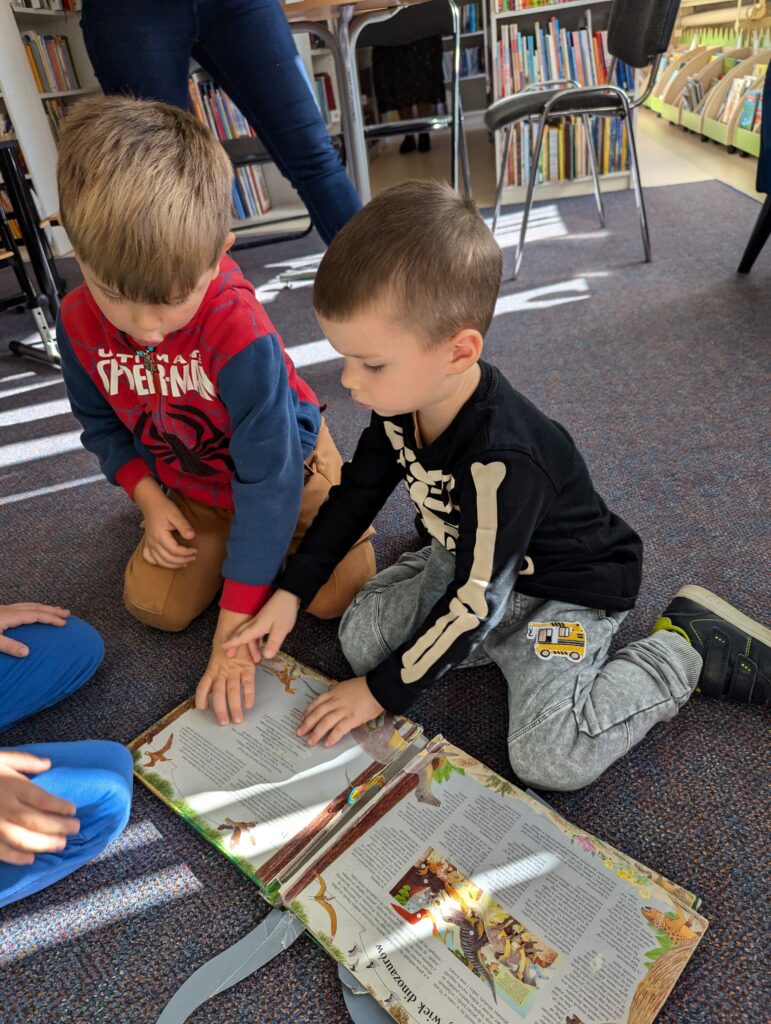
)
(60, 660)
(95, 775)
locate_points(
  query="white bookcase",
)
(574, 14)
(25, 105)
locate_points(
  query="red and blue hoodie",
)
(225, 419)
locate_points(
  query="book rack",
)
(706, 40)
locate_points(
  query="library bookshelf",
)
(475, 76)
(574, 16)
(714, 57)
(33, 101)
(25, 113)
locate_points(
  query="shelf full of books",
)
(46, 31)
(212, 105)
(44, 68)
(261, 195)
(712, 84)
(531, 50)
(474, 71)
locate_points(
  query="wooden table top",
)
(320, 10)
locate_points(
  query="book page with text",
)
(458, 899)
(256, 790)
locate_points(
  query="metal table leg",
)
(342, 44)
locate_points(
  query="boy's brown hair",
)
(425, 251)
(145, 195)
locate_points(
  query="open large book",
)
(453, 896)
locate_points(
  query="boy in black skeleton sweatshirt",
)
(526, 567)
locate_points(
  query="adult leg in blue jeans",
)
(144, 49)
(60, 803)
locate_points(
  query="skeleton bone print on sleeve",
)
(469, 606)
(429, 489)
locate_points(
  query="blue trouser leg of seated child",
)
(60, 659)
(568, 720)
(94, 774)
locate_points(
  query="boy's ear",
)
(465, 350)
(230, 239)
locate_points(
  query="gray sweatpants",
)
(568, 719)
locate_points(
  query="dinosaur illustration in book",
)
(236, 828)
(471, 923)
(324, 900)
(676, 924)
(472, 938)
(154, 756)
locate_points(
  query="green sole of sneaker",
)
(726, 611)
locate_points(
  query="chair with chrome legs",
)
(638, 34)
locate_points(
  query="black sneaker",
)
(736, 649)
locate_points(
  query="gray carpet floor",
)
(660, 373)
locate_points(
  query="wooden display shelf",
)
(722, 132)
(670, 112)
(691, 120)
(746, 141)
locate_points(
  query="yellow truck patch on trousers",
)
(564, 639)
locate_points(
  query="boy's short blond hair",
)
(424, 252)
(145, 192)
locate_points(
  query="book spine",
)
(33, 66)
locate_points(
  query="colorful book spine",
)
(214, 108)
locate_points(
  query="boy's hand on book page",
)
(31, 819)
(344, 706)
(225, 677)
(266, 632)
(165, 525)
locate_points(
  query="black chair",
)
(638, 34)
(412, 22)
(762, 228)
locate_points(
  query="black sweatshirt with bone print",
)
(506, 490)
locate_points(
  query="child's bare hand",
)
(336, 712)
(31, 820)
(24, 614)
(266, 632)
(224, 679)
(164, 522)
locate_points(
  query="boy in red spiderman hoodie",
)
(182, 384)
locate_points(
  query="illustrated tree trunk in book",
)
(272, 868)
(396, 792)
(653, 990)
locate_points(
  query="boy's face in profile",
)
(388, 369)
